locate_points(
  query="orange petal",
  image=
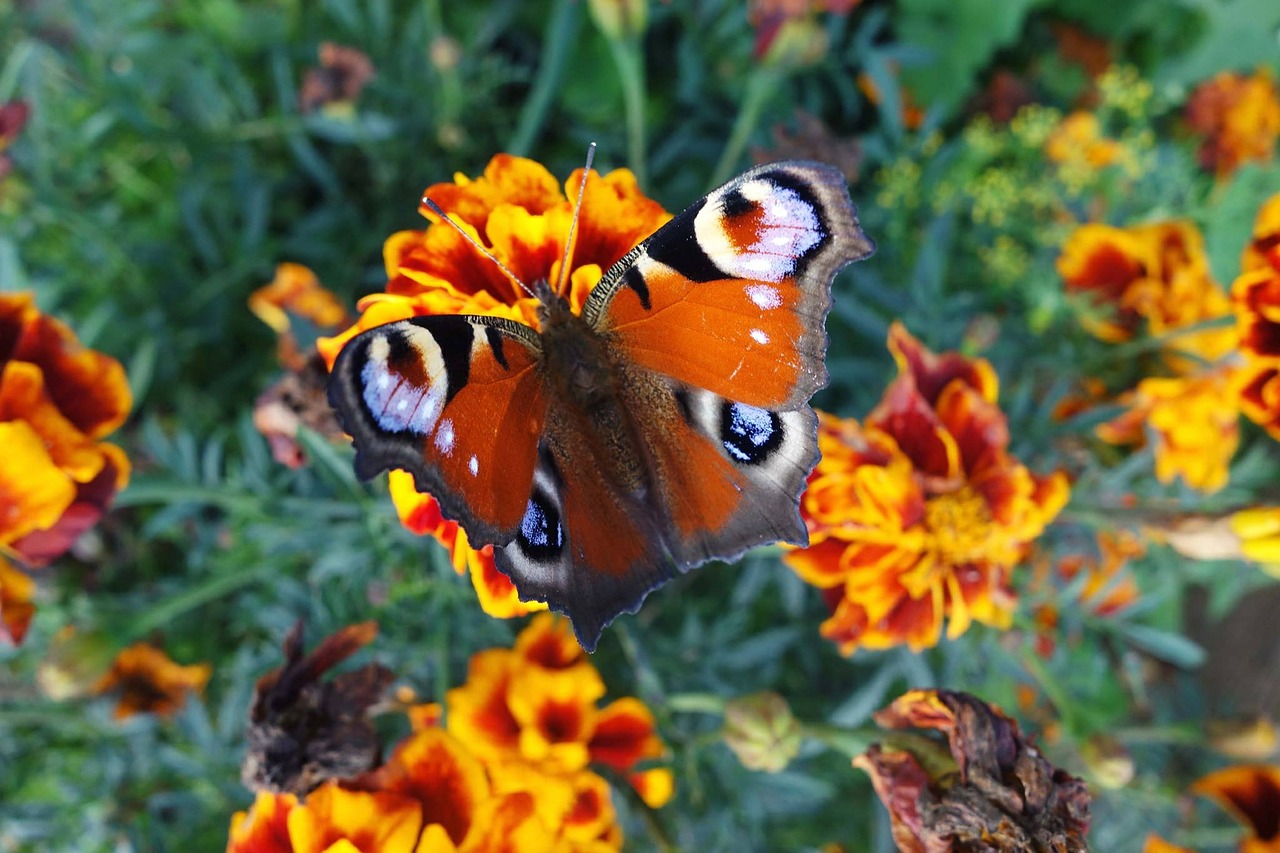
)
(625, 735)
(264, 828)
(34, 492)
(1250, 792)
(548, 641)
(434, 768)
(16, 607)
(370, 822)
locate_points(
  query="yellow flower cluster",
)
(510, 770)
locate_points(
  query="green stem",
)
(848, 742)
(630, 64)
(1188, 734)
(761, 85)
(560, 35)
(696, 703)
(1052, 689)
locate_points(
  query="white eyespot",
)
(759, 336)
(474, 465)
(444, 437)
(764, 296)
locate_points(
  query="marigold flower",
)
(918, 515)
(264, 828)
(1194, 421)
(16, 607)
(1102, 592)
(367, 821)
(1239, 117)
(296, 290)
(997, 792)
(1157, 273)
(1264, 249)
(1249, 793)
(149, 682)
(519, 212)
(1156, 844)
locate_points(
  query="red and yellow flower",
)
(917, 516)
(57, 477)
(510, 770)
(1078, 141)
(1239, 116)
(1255, 296)
(148, 681)
(521, 214)
(1249, 793)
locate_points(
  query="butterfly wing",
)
(731, 295)
(718, 322)
(457, 401)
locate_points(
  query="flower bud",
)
(1109, 762)
(1246, 739)
(620, 18)
(761, 731)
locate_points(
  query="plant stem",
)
(196, 596)
(630, 63)
(561, 33)
(760, 87)
(696, 703)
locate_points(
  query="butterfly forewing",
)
(455, 400)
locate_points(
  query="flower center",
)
(959, 525)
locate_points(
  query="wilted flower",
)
(762, 731)
(519, 212)
(1239, 116)
(149, 682)
(788, 34)
(338, 82)
(812, 139)
(997, 792)
(1250, 793)
(918, 515)
(303, 731)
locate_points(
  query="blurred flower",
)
(74, 663)
(13, 116)
(762, 731)
(338, 82)
(1106, 589)
(1255, 296)
(1264, 248)
(918, 515)
(1157, 273)
(912, 114)
(1194, 421)
(1248, 534)
(57, 399)
(298, 397)
(149, 682)
(788, 34)
(303, 731)
(812, 139)
(1250, 793)
(519, 212)
(1004, 95)
(264, 828)
(996, 792)
(16, 607)
(1078, 140)
(1092, 53)
(1109, 762)
(1239, 116)
(1247, 739)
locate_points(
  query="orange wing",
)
(455, 400)
(731, 295)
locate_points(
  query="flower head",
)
(1239, 116)
(149, 682)
(1250, 793)
(16, 607)
(338, 82)
(1078, 141)
(518, 211)
(918, 515)
(994, 791)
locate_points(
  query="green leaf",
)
(1167, 646)
(1238, 34)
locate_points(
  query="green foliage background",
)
(166, 170)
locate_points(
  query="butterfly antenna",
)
(573, 225)
(435, 208)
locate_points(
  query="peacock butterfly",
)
(666, 425)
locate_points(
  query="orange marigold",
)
(1249, 792)
(1157, 274)
(519, 212)
(1264, 247)
(918, 515)
(1078, 140)
(149, 682)
(1239, 116)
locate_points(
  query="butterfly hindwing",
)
(455, 400)
(732, 293)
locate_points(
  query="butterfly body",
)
(665, 426)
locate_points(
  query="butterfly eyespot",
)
(397, 405)
(541, 536)
(750, 434)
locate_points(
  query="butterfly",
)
(666, 425)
